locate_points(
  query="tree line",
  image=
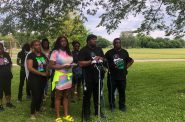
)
(144, 41)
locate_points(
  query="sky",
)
(132, 23)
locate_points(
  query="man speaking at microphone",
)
(88, 57)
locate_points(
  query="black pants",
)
(37, 86)
(21, 84)
(121, 86)
(76, 80)
(90, 86)
(5, 86)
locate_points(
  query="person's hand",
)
(67, 66)
(45, 74)
(97, 58)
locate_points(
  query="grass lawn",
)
(140, 53)
(155, 93)
(147, 53)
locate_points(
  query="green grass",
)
(141, 53)
(155, 93)
(147, 53)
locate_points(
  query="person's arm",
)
(130, 63)
(84, 63)
(18, 62)
(82, 59)
(33, 70)
(53, 65)
(9, 59)
(19, 59)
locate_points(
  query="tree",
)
(128, 40)
(155, 12)
(70, 28)
(102, 42)
(44, 15)
(38, 16)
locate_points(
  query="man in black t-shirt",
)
(90, 74)
(118, 63)
(20, 61)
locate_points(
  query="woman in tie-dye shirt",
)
(61, 61)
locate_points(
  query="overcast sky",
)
(132, 23)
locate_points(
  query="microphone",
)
(96, 62)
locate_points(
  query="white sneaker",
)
(32, 117)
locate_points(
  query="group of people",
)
(66, 70)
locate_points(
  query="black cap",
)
(91, 36)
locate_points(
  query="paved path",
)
(150, 60)
(159, 60)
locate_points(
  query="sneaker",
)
(10, 105)
(19, 100)
(1, 108)
(68, 118)
(102, 115)
(42, 109)
(58, 120)
(32, 117)
(123, 109)
(112, 108)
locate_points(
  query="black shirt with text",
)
(5, 66)
(117, 62)
(39, 63)
(86, 54)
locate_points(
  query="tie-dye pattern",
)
(62, 58)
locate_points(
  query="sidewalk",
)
(159, 60)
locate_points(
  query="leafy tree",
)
(38, 16)
(102, 42)
(70, 28)
(43, 16)
(128, 40)
(155, 12)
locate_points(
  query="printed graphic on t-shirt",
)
(41, 62)
(118, 61)
(93, 54)
(4, 61)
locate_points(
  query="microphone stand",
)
(99, 92)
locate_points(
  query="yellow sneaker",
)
(58, 120)
(68, 118)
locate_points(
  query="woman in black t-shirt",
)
(77, 72)
(37, 66)
(5, 77)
